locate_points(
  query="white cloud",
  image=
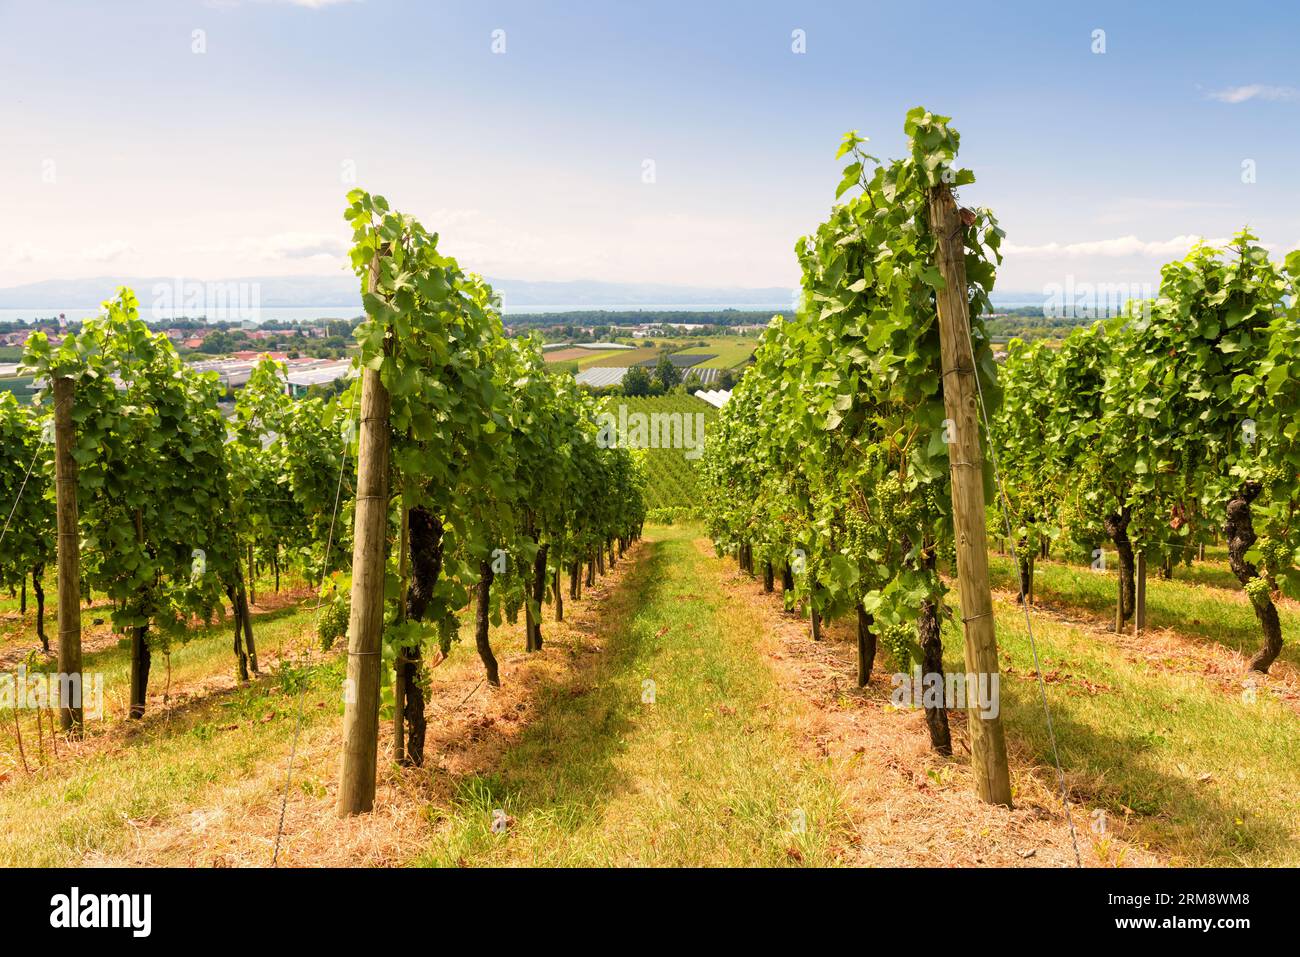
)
(298, 245)
(279, 246)
(1118, 247)
(112, 251)
(1255, 91)
(25, 253)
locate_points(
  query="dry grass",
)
(911, 806)
(233, 823)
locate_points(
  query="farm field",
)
(20, 386)
(672, 481)
(572, 354)
(728, 351)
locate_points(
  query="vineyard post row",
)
(966, 464)
(365, 628)
(850, 451)
(488, 469)
(69, 551)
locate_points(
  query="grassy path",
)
(757, 747)
(708, 774)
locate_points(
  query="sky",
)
(687, 143)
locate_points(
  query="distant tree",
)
(727, 380)
(667, 374)
(692, 382)
(636, 381)
(217, 343)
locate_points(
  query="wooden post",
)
(365, 625)
(71, 719)
(399, 666)
(1140, 603)
(988, 744)
(1119, 614)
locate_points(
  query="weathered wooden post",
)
(366, 622)
(988, 745)
(1140, 604)
(71, 716)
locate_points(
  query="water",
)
(278, 314)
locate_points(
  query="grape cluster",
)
(1258, 591)
(333, 622)
(898, 641)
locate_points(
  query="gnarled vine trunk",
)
(1239, 528)
(425, 543)
(534, 622)
(575, 579)
(249, 644)
(39, 590)
(1116, 525)
(140, 660)
(936, 716)
(866, 647)
(237, 618)
(483, 621)
(768, 577)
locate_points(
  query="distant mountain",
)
(518, 293)
(341, 291)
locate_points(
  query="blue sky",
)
(125, 152)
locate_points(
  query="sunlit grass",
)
(1201, 776)
(1217, 614)
(707, 775)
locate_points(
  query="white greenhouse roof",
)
(715, 397)
(599, 378)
